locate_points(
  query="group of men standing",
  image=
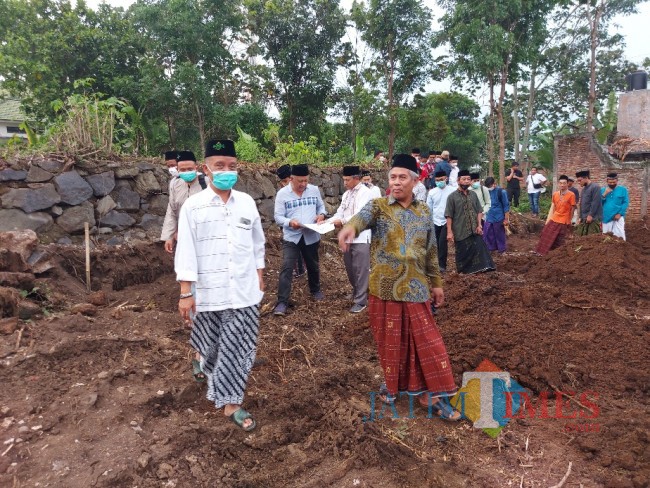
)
(600, 210)
(394, 250)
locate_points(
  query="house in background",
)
(10, 119)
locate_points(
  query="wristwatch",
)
(186, 295)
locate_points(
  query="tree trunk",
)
(529, 115)
(502, 132)
(490, 135)
(515, 122)
(200, 122)
(593, 24)
(392, 120)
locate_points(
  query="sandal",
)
(197, 372)
(443, 409)
(385, 396)
(238, 417)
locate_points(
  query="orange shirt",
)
(562, 207)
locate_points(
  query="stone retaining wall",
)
(121, 201)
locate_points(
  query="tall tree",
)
(302, 41)
(49, 44)
(490, 41)
(192, 57)
(398, 32)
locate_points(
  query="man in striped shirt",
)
(296, 204)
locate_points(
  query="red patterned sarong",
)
(553, 236)
(410, 348)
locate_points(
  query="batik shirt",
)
(403, 254)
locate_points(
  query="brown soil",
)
(107, 399)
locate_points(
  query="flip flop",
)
(444, 410)
(199, 375)
(238, 417)
(385, 396)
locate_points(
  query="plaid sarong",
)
(553, 235)
(410, 348)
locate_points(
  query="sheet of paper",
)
(320, 228)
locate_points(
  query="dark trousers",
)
(513, 193)
(441, 240)
(291, 254)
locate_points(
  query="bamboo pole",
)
(87, 234)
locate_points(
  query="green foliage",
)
(289, 151)
(93, 124)
(248, 149)
(606, 124)
(303, 41)
(544, 203)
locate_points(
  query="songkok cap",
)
(186, 156)
(170, 155)
(475, 176)
(300, 170)
(463, 172)
(283, 171)
(405, 161)
(365, 172)
(440, 173)
(220, 147)
(351, 170)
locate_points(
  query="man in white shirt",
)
(481, 192)
(453, 174)
(221, 250)
(437, 203)
(535, 184)
(366, 179)
(357, 257)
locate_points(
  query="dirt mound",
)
(108, 399)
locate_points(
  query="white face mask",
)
(173, 171)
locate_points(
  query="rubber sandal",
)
(199, 375)
(385, 396)
(445, 411)
(238, 417)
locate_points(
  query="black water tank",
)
(637, 80)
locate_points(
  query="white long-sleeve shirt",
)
(221, 247)
(351, 202)
(437, 203)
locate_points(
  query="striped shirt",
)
(221, 247)
(304, 209)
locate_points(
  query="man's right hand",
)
(346, 235)
(187, 306)
(169, 245)
(294, 224)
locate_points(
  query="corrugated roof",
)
(10, 110)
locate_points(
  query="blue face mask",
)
(187, 176)
(476, 185)
(441, 184)
(224, 180)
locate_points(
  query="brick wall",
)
(582, 152)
